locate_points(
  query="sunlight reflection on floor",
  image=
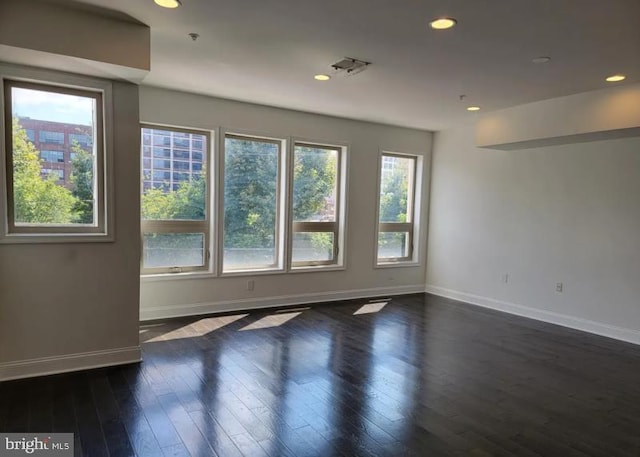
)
(370, 308)
(274, 320)
(198, 328)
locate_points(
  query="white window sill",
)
(62, 238)
(256, 272)
(173, 276)
(407, 264)
(317, 268)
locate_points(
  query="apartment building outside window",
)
(175, 200)
(59, 154)
(48, 193)
(171, 157)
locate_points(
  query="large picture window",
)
(175, 200)
(397, 222)
(55, 185)
(252, 203)
(315, 205)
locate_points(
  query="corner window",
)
(252, 238)
(49, 193)
(316, 205)
(175, 200)
(397, 219)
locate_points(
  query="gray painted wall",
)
(192, 296)
(60, 300)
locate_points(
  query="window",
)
(83, 140)
(52, 156)
(252, 181)
(315, 205)
(397, 218)
(39, 200)
(57, 174)
(175, 207)
(51, 137)
(31, 134)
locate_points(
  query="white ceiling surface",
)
(267, 51)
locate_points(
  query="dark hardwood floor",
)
(419, 375)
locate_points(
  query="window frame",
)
(52, 81)
(337, 227)
(181, 226)
(282, 207)
(412, 228)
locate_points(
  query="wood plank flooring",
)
(410, 375)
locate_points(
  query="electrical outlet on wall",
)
(250, 284)
(505, 278)
(559, 287)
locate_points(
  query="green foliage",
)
(393, 196)
(186, 203)
(323, 242)
(394, 192)
(82, 183)
(250, 194)
(314, 181)
(37, 200)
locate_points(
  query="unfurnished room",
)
(339, 228)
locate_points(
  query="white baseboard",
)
(164, 312)
(71, 362)
(611, 331)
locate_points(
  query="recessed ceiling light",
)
(616, 78)
(443, 23)
(322, 77)
(168, 3)
(541, 59)
(473, 108)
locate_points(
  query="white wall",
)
(567, 214)
(613, 112)
(192, 296)
(75, 305)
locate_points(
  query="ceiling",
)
(267, 51)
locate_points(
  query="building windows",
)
(175, 207)
(51, 137)
(174, 153)
(52, 156)
(48, 196)
(252, 237)
(397, 215)
(83, 140)
(316, 202)
(56, 173)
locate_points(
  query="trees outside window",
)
(316, 205)
(54, 186)
(251, 234)
(176, 193)
(174, 200)
(396, 210)
(37, 198)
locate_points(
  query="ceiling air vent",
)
(350, 66)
